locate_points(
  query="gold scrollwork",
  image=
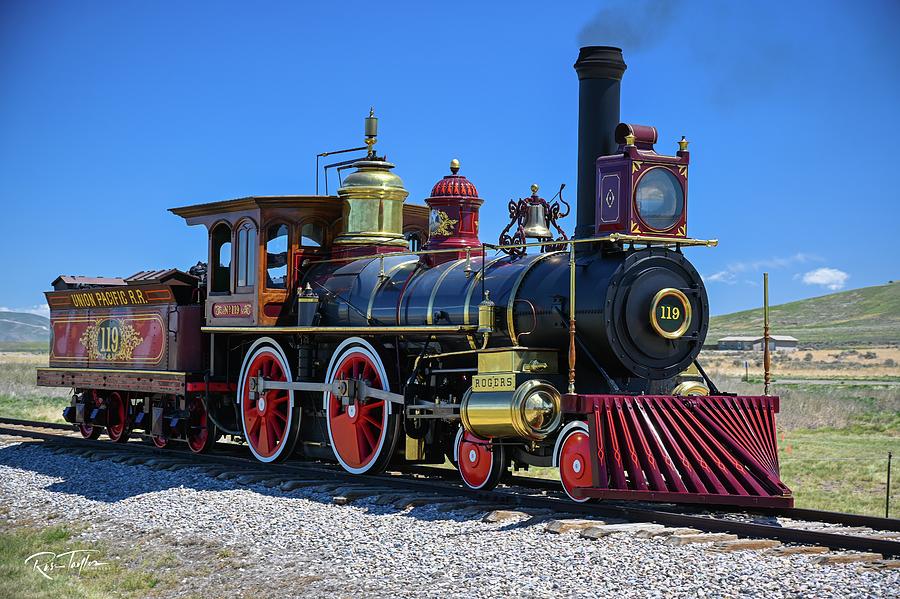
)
(636, 166)
(441, 224)
(682, 170)
(110, 339)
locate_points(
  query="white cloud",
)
(39, 309)
(723, 276)
(830, 278)
(730, 274)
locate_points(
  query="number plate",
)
(493, 382)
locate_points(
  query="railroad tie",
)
(293, 484)
(574, 524)
(347, 495)
(598, 532)
(414, 502)
(712, 537)
(799, 550)
(884, 564)
(452, 506)
(666, 532)
(505, 515)
(745, 544)
(847, 558)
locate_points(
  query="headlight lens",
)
(659, 199)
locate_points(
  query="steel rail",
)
(515, 497)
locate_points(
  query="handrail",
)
(613, 238)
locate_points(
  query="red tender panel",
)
(200, 386)
(700, 449)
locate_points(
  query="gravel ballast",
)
(222, 538)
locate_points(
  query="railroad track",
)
(807, 528)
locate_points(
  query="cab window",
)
(413, 240)
(220, 258)
(312, 235)
(276, 256)
(246, 255)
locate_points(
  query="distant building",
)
(784, 343)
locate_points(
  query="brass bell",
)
(536, 221)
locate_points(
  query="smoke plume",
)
(631, 25)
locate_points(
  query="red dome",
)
(454, 186)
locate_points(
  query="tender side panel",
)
(170, 383)
(136, 328)
(110, 338)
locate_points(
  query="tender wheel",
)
(89, 431)
(362, 434)
(117, 410)
(201, 433)
(159, 442)
(480, 463)
(574, 455)
(270, 421)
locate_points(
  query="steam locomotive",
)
(365, 330)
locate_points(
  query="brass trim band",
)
(654, 321)
(429, 315)
(510, 325)
(383, 330)
(474, 284)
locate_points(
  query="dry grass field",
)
(847, 364)
(20, 397)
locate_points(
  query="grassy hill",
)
(867, 316)
(23, 328)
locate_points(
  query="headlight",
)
(659, 199)
(533, 411)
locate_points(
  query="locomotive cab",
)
(259, 249)
(255, 247)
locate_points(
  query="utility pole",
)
(767, 357)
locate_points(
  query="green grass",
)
(46, 409)
(36, 347)
(20, 579)
(21, 398)
(843, 470)
(867, 316)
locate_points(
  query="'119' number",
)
(669, 313)
(108, 339)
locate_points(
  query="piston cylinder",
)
(532, 411)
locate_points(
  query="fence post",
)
(887, 498)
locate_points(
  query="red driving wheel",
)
(89, 431)
(361, 432)
(200, 433)
(117, 412)
(269, 419)
(480, 463)
(575, 462)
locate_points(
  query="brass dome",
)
(373, 205)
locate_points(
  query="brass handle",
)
(534, 366)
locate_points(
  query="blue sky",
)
(112, 112)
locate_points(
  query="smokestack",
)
(600, 70)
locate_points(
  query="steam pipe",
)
(600, 70)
